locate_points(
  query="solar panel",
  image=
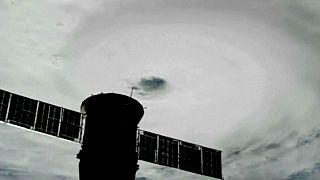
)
(40, 116)
(48, 118)
(147, 146)
(211, 162)
(168, 151)
(22, 111)
(190, 157)
(71, 125)
(4, 101)
(179, 154)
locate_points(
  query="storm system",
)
(239, 76)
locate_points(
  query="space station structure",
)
(108, 147)
(106, 128)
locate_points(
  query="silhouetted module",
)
(109, 141)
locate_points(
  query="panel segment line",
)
(157, 151)
(80, 127)
(36, 116)
(201, 151)
(138, 142)
(179, 143)
(60, 120)
(8, 109)
(48, 118)
(83, 126)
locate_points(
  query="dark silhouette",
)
(109, 141)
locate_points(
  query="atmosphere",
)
(238, 76)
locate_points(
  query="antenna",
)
(131, 91)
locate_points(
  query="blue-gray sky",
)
(240, 76)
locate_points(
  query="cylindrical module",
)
(108, 148)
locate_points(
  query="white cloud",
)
(242, 75)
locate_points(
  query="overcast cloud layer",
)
(239, 76)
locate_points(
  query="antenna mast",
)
(131, 91)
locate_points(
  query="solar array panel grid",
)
(22, 111)
(147, 146)
(48, 118)
(190, 157)
(168, 151)
(179, 154)
(71, 125)
(211, 162)
(4, 101)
